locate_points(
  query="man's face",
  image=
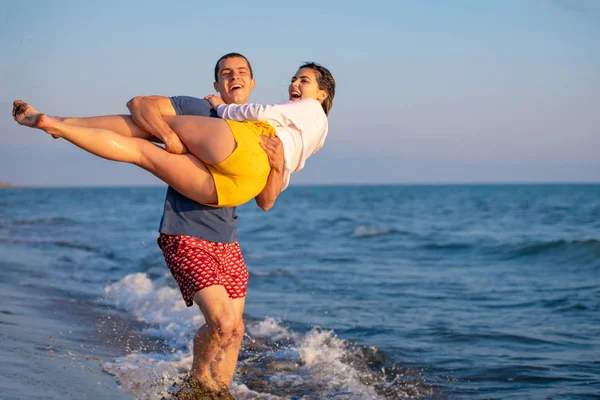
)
(234, 82)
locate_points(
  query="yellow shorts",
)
(243, 175)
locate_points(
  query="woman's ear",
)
(322, 95)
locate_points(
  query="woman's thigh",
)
(184, 172)
(209, 139)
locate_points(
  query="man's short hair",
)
(231, 55)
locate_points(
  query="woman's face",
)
(305, 86)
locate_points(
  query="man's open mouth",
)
(235, 87)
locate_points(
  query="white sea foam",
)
(270, 328)
(322, 354)
(158, 305)
(367, 232)
(147, 376)
(316, 358)
(242, 392)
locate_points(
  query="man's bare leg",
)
(224, 367)
(185, 173)
(214, 336)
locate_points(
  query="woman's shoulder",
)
(310, 105)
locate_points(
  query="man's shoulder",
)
(188, 105)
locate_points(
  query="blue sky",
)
(427, 91)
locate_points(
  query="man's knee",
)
(223, 328)
(238, 331)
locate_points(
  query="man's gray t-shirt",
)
(182, 216)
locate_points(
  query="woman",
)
(226, 165)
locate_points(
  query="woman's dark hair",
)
(325, 81)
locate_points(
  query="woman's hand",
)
(214, 100)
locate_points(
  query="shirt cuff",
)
(221, 109)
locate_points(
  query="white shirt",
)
(301, 125)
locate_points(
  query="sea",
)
(355, 292)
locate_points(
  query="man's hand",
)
(147, 112)
(274, 149)
(214, 100)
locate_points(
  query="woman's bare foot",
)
(26, 115)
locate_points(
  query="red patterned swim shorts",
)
(197, 264)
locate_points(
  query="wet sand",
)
(44, 356)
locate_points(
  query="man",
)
(200, 243)
(198, 240)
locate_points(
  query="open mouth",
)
(295, 96)
(235, 87)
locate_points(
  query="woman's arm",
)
(250, 112)
(293, 111)
(274, 149)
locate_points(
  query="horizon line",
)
(480, 183)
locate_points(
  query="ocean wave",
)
(362, 232)
(156, 304)
(275, 361)
(581, 250)
(51, 221)
(492, 337)
(79, 246)
(333, 222)
(318, 362)
(59, 243)
(447, 246)
(278, 272)
(338, 260)
(266, 228)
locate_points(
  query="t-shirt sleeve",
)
(250, 112)
(299, 113)
(187, 105)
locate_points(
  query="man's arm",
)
(274, 149)
(147, 113)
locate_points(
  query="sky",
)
(435, 91)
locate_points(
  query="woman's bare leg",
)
(209, 139)
(184, 172)
(121, 124)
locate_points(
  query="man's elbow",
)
(135, 102)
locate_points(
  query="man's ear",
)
(216, 86)
(252, 84)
